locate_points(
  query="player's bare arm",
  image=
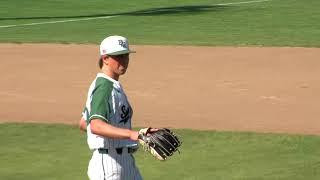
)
(102, 128)
(83, 125)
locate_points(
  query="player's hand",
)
(134, 135)
(151, 130)
(147, 131)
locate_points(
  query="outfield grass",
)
(51, 152)
(179, 22)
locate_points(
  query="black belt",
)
(118, 150)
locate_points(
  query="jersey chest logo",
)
(124, 114)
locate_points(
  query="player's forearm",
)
(82, 125)
(102, 128)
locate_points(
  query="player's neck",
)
(110, 73)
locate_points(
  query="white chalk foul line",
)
(54, 22)
(244, 2)
(107, 17)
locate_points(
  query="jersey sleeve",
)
(100, 108)
(85, 114)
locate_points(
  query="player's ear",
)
(105, 58)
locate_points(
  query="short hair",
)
(100, 62)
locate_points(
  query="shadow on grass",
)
(177, 10)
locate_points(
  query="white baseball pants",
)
(113, 166)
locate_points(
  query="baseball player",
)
(107, 117)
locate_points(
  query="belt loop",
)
(103, 151)
(119, 150)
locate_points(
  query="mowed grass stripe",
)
(191, 22)
(76, 19)
(43, 151)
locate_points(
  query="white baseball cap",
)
(115, 45)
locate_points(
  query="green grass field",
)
(60, 152)
(180, 22)
(50, 152)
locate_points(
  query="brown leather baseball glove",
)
(161, 143)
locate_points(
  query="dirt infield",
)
(222, 88)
